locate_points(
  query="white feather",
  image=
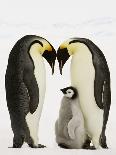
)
(40, 75)
(82, 77)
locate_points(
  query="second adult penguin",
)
(90, 75)
(25, 82)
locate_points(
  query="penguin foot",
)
(18, 141)
(86, 144)
(17, 146)
(90, 148)
(39, 146)
(63, 146)
(14, 146)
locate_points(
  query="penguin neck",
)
(76, 48)
(74, 57)
(80, 53)
(36, 50)
(36, 54)
(80, 65)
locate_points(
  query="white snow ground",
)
(56, 21)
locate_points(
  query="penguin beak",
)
(50, 56)
(60, 67)
(62, 57)
(63, 91)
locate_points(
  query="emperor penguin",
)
(90, 75)
(69, 128)
(25, 83)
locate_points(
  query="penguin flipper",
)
(103, 96)
(101, 75)
(98, 89)
(102, 86)
(32, 88)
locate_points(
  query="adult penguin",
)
(90, 75)
(25, 83)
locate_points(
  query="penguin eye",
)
(69, 92)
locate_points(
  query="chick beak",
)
(63, 91)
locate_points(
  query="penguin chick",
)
(69, 128)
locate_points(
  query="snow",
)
(56, 21)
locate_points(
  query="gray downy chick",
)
(69, 127)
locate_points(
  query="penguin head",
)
(49, 53)
(70, 92)
(46, 50)
(65, 50)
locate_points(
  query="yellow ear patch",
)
(68, 46)
(47, 47)
(64, 45)
(72, 49)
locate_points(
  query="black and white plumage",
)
(69, 128)
(91, 76)
(25, 87)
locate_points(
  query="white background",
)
(56, 21)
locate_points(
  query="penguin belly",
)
(40, 75)
(82, 77)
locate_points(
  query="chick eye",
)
(69, 92)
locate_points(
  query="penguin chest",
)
(82, 77)
(39, 72)
(40, 75)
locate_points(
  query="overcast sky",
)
(52, 11)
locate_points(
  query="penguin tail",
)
(106, 103)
